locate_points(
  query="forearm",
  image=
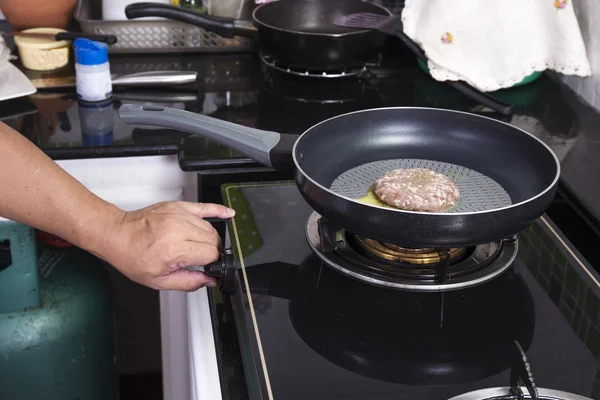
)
(35, 191)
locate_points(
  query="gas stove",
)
(325, 314)
(394, 266)
(272, 65)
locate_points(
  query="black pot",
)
(298, 33)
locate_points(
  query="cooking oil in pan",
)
(372, 199)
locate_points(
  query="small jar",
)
(92, 70)
(40, 54)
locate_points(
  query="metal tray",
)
(155, 36)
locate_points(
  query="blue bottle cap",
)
(88, 52)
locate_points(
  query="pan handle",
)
(269, 148)
(224, 27)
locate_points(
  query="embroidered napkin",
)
(494, 44)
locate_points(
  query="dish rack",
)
(155, 36)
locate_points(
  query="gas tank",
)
(56, 321)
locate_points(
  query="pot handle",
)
(393, 25)
(224, 27)
(463, 87)
(268, 148)
(108, 39)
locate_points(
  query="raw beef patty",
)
(417, 189)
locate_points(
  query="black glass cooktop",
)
(308, 332)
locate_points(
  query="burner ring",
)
(391, 252)
(505, 393)
(505, 251)
(272, 63)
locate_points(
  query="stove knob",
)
(224, 271)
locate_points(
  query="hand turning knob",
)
(224, 271)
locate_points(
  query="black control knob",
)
(224, 271)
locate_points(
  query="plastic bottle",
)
(96, 120)
(92, 70)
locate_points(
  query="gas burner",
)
(360, 72)
(358, 93)
(324, 93)
(522, 385)
(384, 252)
(397, 267)
(505, 393)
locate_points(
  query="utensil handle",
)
(255, 143)
(483, 98)
(224, 27)
(156, 79)
(108, 39)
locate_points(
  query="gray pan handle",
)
(254, 143)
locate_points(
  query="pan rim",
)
(449, 215)
(362, 31)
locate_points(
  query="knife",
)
(140, 79)
(109, 39)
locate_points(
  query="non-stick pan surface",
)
(297, 33)
(506, 176)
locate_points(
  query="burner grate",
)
(438, 265)
(359, 72)
(522, 385)
(455, 269)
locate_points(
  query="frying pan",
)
(300, 33)
(506, 176)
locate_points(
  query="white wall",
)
(588, 15)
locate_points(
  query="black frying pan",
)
(506, 176)
(299, 33)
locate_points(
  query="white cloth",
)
(494, 44)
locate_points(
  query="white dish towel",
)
(494, 44)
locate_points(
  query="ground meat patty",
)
(417, 189)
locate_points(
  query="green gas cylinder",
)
(56, 321)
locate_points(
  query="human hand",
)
(152, 246)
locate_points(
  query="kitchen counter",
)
(234, 87)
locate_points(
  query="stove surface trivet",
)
(482, 264)
(504, 393)
(522, 385)
(360, 72)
